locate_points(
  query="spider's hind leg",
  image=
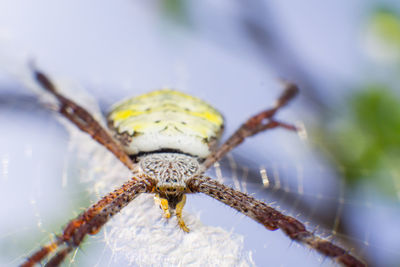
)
(83, 119)
(258, 123)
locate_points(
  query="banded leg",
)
(272, 219)
(90, 222)
(83, 120)
(255, 125)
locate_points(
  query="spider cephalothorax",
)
(171, 172)
(171, 137)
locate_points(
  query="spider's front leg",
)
(90, 222)
(258, 123)
(83, 120)
(271, 219)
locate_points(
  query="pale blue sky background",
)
(122, 48)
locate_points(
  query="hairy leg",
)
(271, 219)
(90, 222)
(258, 123)
(83, 120)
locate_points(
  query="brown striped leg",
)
(258, 123)
(271, 219)
(83, 120)
(89, 222)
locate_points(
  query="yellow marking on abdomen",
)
(165, 116)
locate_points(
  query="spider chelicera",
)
(168, 139)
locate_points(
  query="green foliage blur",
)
(384, 30)
(175, 10)
(367, 143)
(366, 140)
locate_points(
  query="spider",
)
(168, 139)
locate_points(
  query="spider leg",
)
(57, 259)
(271, 219)
(90, 221)
(179, 209)
(163, 203)
(255, 125)
(83, 120)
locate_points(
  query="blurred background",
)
(341, 175)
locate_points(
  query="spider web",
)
(50, 172)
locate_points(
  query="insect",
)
(168, 139)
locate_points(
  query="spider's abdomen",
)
(166, 119)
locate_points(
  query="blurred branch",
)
(275, 52)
